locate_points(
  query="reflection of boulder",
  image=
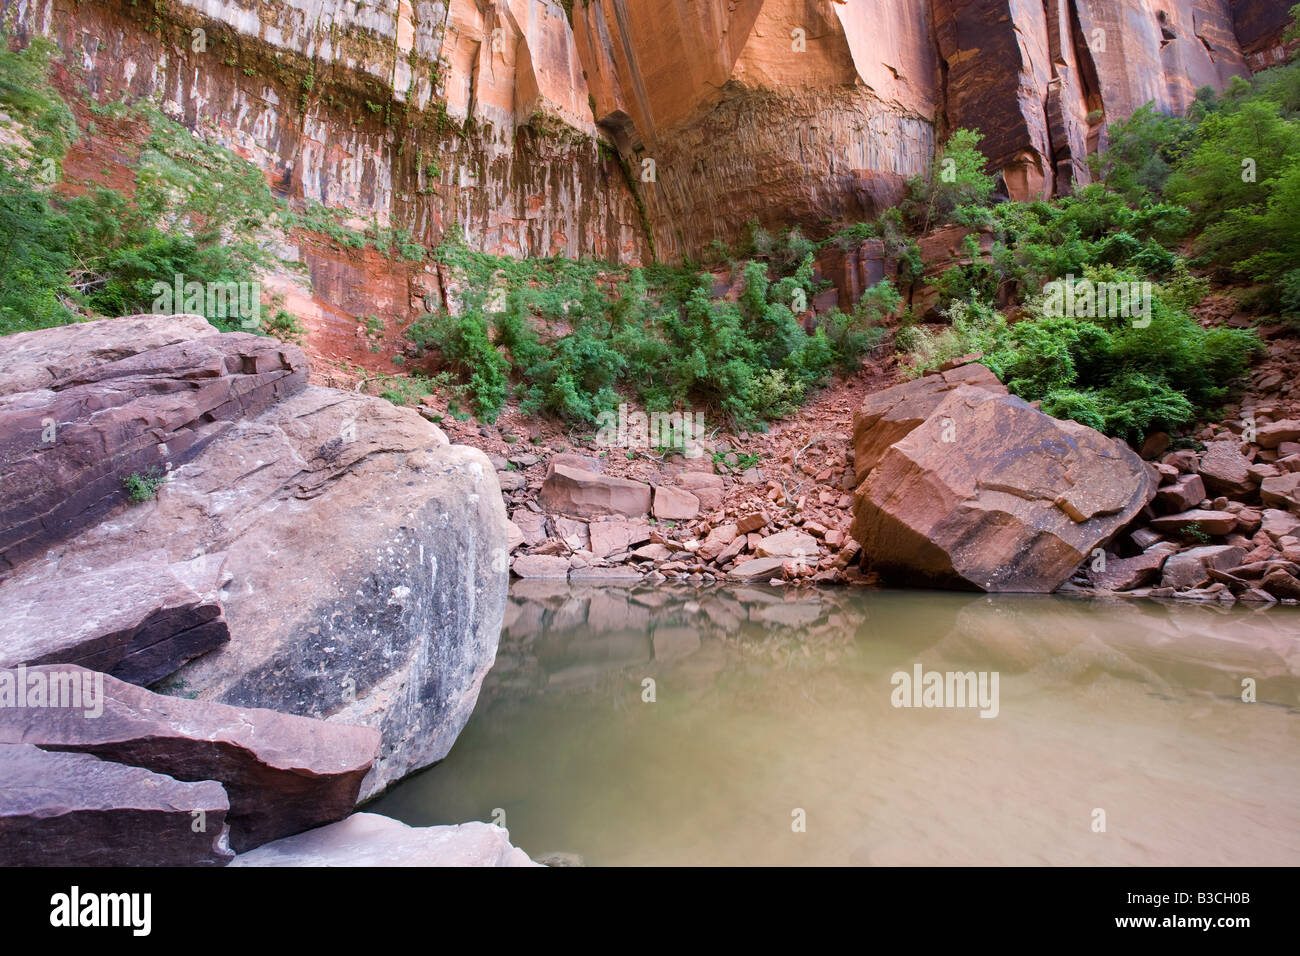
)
(611, 610)
(570, 638)
(674, 643)
(578, 657)
(1172, 646)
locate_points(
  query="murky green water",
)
(766, 706)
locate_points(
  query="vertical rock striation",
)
(529, 124)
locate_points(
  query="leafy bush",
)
(851, 336)
(195, 210)
(656, 335)
(143, 486)
(957, 180)
(467, 347)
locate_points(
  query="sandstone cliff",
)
(622, 126)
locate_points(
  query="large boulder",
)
(67, 446)
(369, 839)
(1191, 568)
(1225, 470)
(1282, 492)
(282, 774)
(365, 563)
(138, 620)
(963, 485)
(66, 809)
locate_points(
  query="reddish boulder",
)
(68, 809)
(1124, 574)
(967, 486)
(1184, 461)
(586, 494)
(1225, 470)
(757, 569)
(1282, 492)
(283, 774)
(1210, 522)
(1273, 434)
(540, 566)
(706, 487)
(718, 540)
(1185, 493)
(789, 544)
(617, 535)
(675, 504)
(890, 415)
(1190, 569)
(1281, 585)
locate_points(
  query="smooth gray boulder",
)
(366, 568)
(369, 839)
(362, 559)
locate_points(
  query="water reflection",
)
(766, 703)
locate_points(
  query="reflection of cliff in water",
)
(561, 639)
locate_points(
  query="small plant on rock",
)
(142, 487)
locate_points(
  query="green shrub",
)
(143, 486)
(467, 347)
(957, 180)
(851, 336)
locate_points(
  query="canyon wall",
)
(422, 115)
(632, 129)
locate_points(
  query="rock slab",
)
(66, 809)
(283, 774)
(138, 621)
(369, 839)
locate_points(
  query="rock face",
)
(66, 446)
(1070, 68)
(282, 774)
(721, 97)
(363, 560)
(962, 485)
(369, 839)
(139, 620)
(499, 110)
(62, 809)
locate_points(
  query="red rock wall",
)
(781, 111)
(286, 83)
(1069, 67)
